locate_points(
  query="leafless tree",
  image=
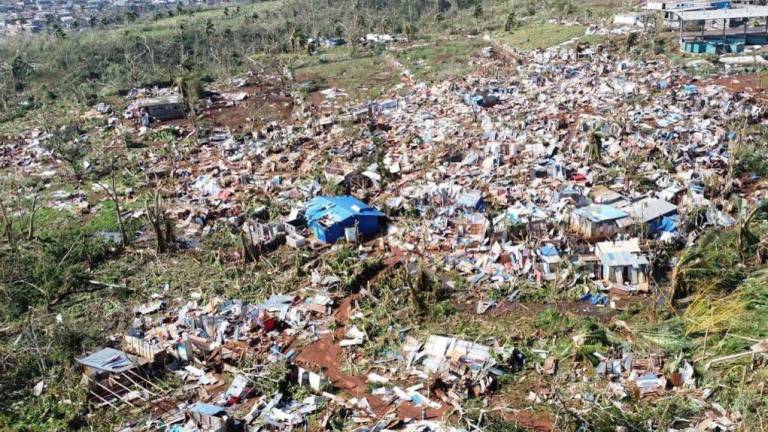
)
(161, 223)
(111, 192)
(7, 224)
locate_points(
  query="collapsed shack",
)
(114, 378)
(465, 369)
(209, 417)
(162, 108)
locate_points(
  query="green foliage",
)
(498, 424)
(551, 320)
(631, 41)
(273, 379)
(713, 265)
(478, 12)
(43, 270)
(511, 22)
(752, 161)
(440, 60)
(662, 416)
(539, 35)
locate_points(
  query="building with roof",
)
(722, 30)
(549, 261)
(655, 214)
(331, 218)
(623, 265)
(668, 8)
(599, 221)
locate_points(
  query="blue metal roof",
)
(600, 213)
(338, 208)
(548, 250)
(206, 409)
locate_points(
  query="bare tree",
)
(112, 194)
(161, 223)
(8, 225)
(31, 224)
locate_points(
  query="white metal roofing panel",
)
(719, 14)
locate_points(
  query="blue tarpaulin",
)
(548, 250)
(595, 299)
(664, 224)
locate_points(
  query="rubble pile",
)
(568, 167)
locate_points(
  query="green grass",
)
(441, 58)
(545, 35)
(526, 12)
(152, 27)
(366, 77)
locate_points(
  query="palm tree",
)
(747, 238)
(478, 12)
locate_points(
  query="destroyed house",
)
(107, 360)
(113, 377)
(163, 108)
(331, 218)
(210, 417)
(598, 221)
(471, 200)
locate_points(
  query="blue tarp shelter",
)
(665, 224)
(327, 217)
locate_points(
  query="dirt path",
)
(327, 356)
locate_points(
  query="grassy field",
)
(440, 59)
(361, 77)
(533, 36)
(247, 14)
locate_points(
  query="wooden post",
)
(138, 385)
(725, 24)
(746, 27)
(141, 378)
(129, 390)
(113, 393)
(103, 400)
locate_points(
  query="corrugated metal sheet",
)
(600, 213)
(109, 360)
(649, 209)
(338, 208)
